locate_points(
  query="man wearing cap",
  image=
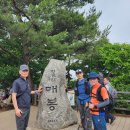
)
(82, 91)
(101, 77)
(21, 97)
(99, 99)
(113, 93)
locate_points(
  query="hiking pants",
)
(99, 122)
(85, 117)
(22, 122)
(108, 115)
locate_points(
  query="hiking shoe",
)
(112, 120)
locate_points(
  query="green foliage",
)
(33, 32)
(26, 36)
(115, 59)
(74, 3)
(116, 64)
(7, 74)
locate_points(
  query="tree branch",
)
(36, 27)
(7, 51)
(19, 10)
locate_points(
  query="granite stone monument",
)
(54, 110)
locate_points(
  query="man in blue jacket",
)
(82, 91)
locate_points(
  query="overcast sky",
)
(117, 14)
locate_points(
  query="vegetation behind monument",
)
(36, 31)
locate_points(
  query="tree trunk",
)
(68, 72)
(26, 60)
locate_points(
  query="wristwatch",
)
(95, 106)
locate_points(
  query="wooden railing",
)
(117, 100)
(122, 100)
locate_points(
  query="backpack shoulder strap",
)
(85, 82)
(92, 94)
(98, 94)
(87, 87)
(76, 84)
(98, 90)
(76, 88)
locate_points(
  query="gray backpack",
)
(113, 92)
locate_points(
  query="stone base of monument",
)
(73, 127)
(54, 110)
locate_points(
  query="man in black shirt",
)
(21, 97)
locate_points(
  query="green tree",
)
(116, 64)
(115, 59)
(26, 34)
(84, 37)
(34, 31)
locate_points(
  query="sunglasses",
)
(78, 72)
(92, 78)
(24, 70)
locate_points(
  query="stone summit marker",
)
(54, 110)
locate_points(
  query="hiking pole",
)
(82, 119)
(77, 116)
(78, 127)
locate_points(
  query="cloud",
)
(115, 13)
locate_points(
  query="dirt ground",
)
(7, 120)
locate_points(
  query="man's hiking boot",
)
(112, 120)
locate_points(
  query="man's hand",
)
(18, 112)
(87, 104)
(91, 105)
(40, 89)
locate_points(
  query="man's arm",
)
(18, 112)
(40, 89)
(102, 104)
